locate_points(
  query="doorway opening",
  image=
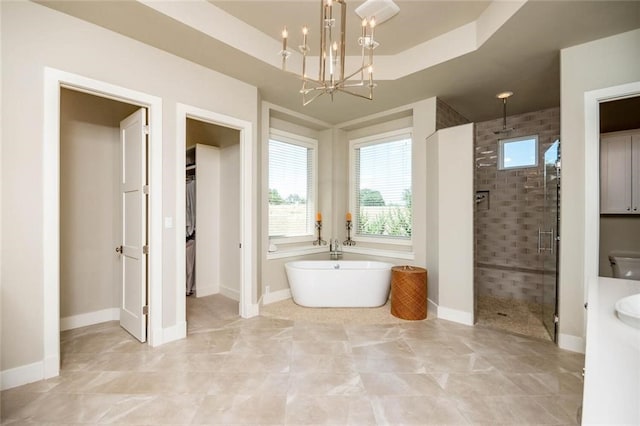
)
(54, 81)
(232, 141)
(619, 173)
(212, 222)
(96, 259)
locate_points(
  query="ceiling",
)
(464, 52)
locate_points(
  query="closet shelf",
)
(191, 167)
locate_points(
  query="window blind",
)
(290, 189)
(383, 188)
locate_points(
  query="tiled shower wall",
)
(506, 224)
(447, 116)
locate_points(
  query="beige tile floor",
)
(274, 371)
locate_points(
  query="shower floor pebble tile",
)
(311, 368)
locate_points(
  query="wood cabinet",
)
(620, 172)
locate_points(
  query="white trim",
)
(89, 318)
(299, 251)
(53, 80)
(571, 343)
(310, 144)
(501, 144)
(276, 296)
(592, 100)
(397, 254)
(354, 144)
(22, 375)
(455, 315)
(177, 332)
(183, 111)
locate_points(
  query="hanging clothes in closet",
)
(190, 249)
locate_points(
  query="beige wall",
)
(34, 37)
(89, 202)
(617, 232)
(449, 222)
(600, 64)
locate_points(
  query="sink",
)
(628, 309)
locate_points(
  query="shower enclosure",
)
(516, 224)
(551, 226)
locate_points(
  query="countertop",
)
(612, 359)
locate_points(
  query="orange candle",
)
(318, 217)
(349, 217)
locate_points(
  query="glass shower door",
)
(549, 240)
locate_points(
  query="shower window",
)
(292, 187)
(380, 188)
(518, 153)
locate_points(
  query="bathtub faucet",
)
(334, 249)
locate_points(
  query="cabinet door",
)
(615, 174)
(635, 173)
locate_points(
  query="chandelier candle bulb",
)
(349, 217)
(318, 217)
(285, 34)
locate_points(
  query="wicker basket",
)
(409, 292)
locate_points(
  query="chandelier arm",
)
(343, 31)
(359, 95)
(306, 102)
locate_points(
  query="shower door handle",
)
(541, 233)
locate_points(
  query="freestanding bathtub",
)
(339, 283)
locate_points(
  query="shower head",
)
(504, 96)
(503, 131)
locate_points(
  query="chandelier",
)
(331, 71)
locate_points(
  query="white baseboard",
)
(571, 343)
(206, 290)
(276, 296)
(432, 309)
(22, 375)
(90, 318)
(455, 315)
(231, 293)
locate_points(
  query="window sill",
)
(396, 254)
(298, 251)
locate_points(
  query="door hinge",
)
(145, 310)
(145, 249)
(145, 129)
(145, 189)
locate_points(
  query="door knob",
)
(119, 249)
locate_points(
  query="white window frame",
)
(395, 135)
(312, 202)
(501, 144)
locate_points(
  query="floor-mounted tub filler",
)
(339, 284)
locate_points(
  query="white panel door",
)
(133, 172)
(615, 174)
(635, 173)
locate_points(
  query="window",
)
(381, 187)
(518, 153)
(292, 186)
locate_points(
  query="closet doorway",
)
(103, 212)
(212, 218)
